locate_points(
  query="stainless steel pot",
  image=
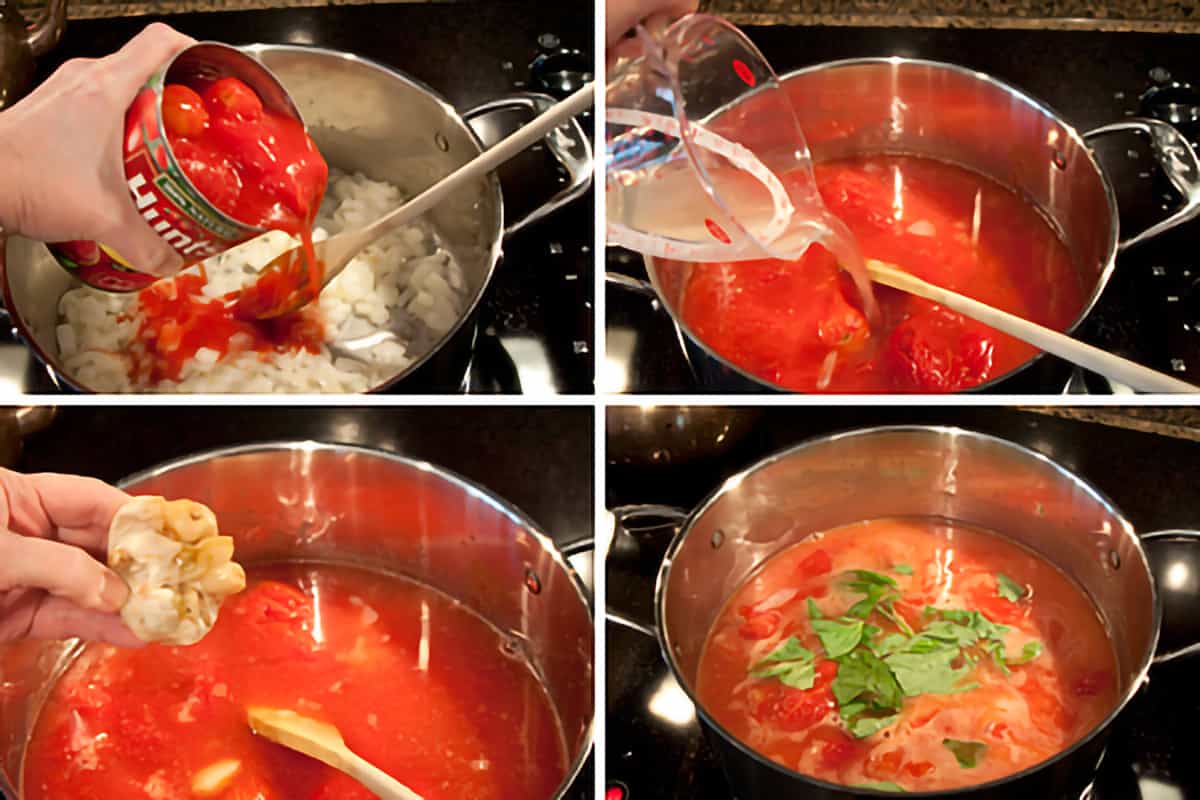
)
(932, 472)
(368, 118)
(336, 503)
(947, 112)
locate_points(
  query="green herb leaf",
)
(1009, 589)
(892, 643)
(1029, 652)
(902, 569)
(875, 595)
(890, 613)
(788, 650)
(974, 620)
(881, 786)
(997, 650)
(928, 672)
(796, 674)
(952, 632)
(790, 662)
(862, 578)
(864, 677)
(967, 753)
(863, 727)
(813, 611)
(838, 638)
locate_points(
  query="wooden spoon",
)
(323, 741)
(290, 270)
(1142, 379)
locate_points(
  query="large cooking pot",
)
(947, 112)
(308, 501)
(933, 472)
(368, 118)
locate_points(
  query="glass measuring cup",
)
(705, 159)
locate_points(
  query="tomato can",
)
(158, 187)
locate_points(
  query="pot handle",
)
(633, 527)
(1177, 159)
(569, 145)
(1174, 557)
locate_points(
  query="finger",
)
(131, 237)
(48, 504)
(622, 15)
(57, 618)
(60, 569)
(134, 63)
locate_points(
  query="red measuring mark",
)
(744, 72)
(614, 793)
(717, 231)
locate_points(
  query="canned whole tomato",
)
(164, 195)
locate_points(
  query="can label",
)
(163, 196)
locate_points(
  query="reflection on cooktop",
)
(1148, 312)
(655, 748)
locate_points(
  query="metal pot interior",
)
(365, 118)
(952, 114)
(313, 502)
(942, 473)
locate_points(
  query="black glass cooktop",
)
(535, 325)
(655, 750)
(1150, 309)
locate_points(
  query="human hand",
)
(621, 16)
(51, 587)
(61, 164)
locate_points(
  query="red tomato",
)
(761, 626)
(249, 787)
(817, 563)
(210, 172)
(987, 601)
(885, 766)
(342, 787)
(836, 749)
(281, 613)
(232, 97)
(937, 351)
(183, 111)
(918, 769)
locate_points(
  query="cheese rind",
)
(178, 567)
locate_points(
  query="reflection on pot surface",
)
(439, 630)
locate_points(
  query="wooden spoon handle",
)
(507, 148)
(376, 779)
(1142, 379)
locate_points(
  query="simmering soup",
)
(416, 682)
(908, 655)
(799, 324)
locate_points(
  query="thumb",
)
(138, 245)
(61, 570)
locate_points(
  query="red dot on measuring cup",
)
(744, 72)
(717, 231)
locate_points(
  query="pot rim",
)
(1099, 729)
(59, 374)
(1071, 134)
(575, 768)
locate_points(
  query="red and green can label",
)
(165, 199)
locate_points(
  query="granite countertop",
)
(1180, 422)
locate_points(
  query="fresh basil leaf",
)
(967, 753)
(976, 621)
(1029, 652)
(870, 631)
(1009, 589)
(997, 650)
(861, 675)
(813, 611)
(789, 650)
(881, 786)
(838, 638)
(953, 632)
(863, 727)
(890, 613)
(853, 709)
(927, 673)
(796, 674)
(875, 595)
(865, 577)
(892, 643)
(902, 569)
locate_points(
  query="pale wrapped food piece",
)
(178, 567)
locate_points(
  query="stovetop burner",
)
(655, 750)
(1150, 310)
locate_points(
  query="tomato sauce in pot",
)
(417, 684)
(799, 325)
(908, 655)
